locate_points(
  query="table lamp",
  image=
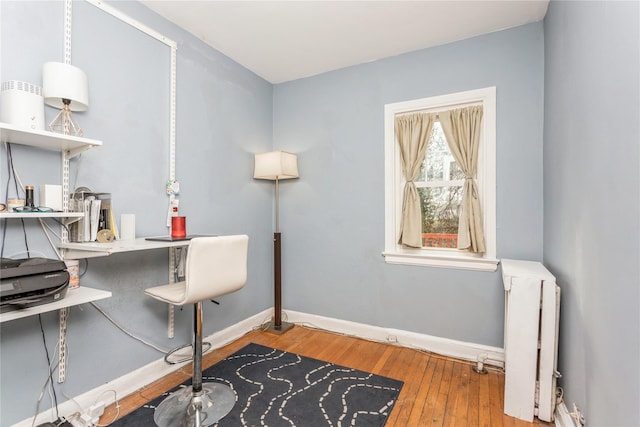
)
(65, 86)
(274, 166)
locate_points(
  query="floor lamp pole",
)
(277, 282)
(277, 325)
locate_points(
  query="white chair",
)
(215, 266)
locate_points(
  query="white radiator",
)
(532, 310)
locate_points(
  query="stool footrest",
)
(206, 346)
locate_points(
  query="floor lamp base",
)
(284, 327)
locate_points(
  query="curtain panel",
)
(412, 134)
(462, 129)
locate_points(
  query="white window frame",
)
(486, 180)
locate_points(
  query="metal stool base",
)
(184, 408)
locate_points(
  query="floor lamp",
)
(274, 166)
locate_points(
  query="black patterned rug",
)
(280, 389)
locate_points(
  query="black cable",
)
(6, 200)
(86, 266)
(63, 225)
(24, 233)
(12, 172)
(46, 350)
(4, 234)
(6, 191)
(12, 169)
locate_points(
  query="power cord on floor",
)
(264, 326)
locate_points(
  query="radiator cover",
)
(532, 312)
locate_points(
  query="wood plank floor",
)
(437, 391)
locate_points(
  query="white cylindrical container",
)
(127, 227)
(22, 104)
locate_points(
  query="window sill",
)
(442, 259)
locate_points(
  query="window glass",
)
(440, 188)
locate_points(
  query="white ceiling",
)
(287, 40)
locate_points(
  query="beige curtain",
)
(462, 129)
(412, 133)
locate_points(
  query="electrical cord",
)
(6, 200)
(116, 401)
(80, 408)
(395, 344)
(61, 224)
(6, 188)
(16, 180)
(53, 246)
(48, 385)
(26, 242)
(86, 267)
(264, 326)
(46, 350)
(51, 230)
(4, 234)
(13, 173)
(117, 325)
(15, 254)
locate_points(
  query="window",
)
(440, 184)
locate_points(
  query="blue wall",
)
(332, 219)
(224, 116)
(592, 202)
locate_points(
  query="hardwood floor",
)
(437, 391)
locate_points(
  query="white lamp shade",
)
(276, 165)
(64, 81)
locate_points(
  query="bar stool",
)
(215, 266)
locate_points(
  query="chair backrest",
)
(216, 266)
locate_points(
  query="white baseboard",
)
(130, 383)
(443, 346)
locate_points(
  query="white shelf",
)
(72, 145)
(96, 249)
(73, 297)
(41, 215)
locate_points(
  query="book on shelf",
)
(97, 215)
